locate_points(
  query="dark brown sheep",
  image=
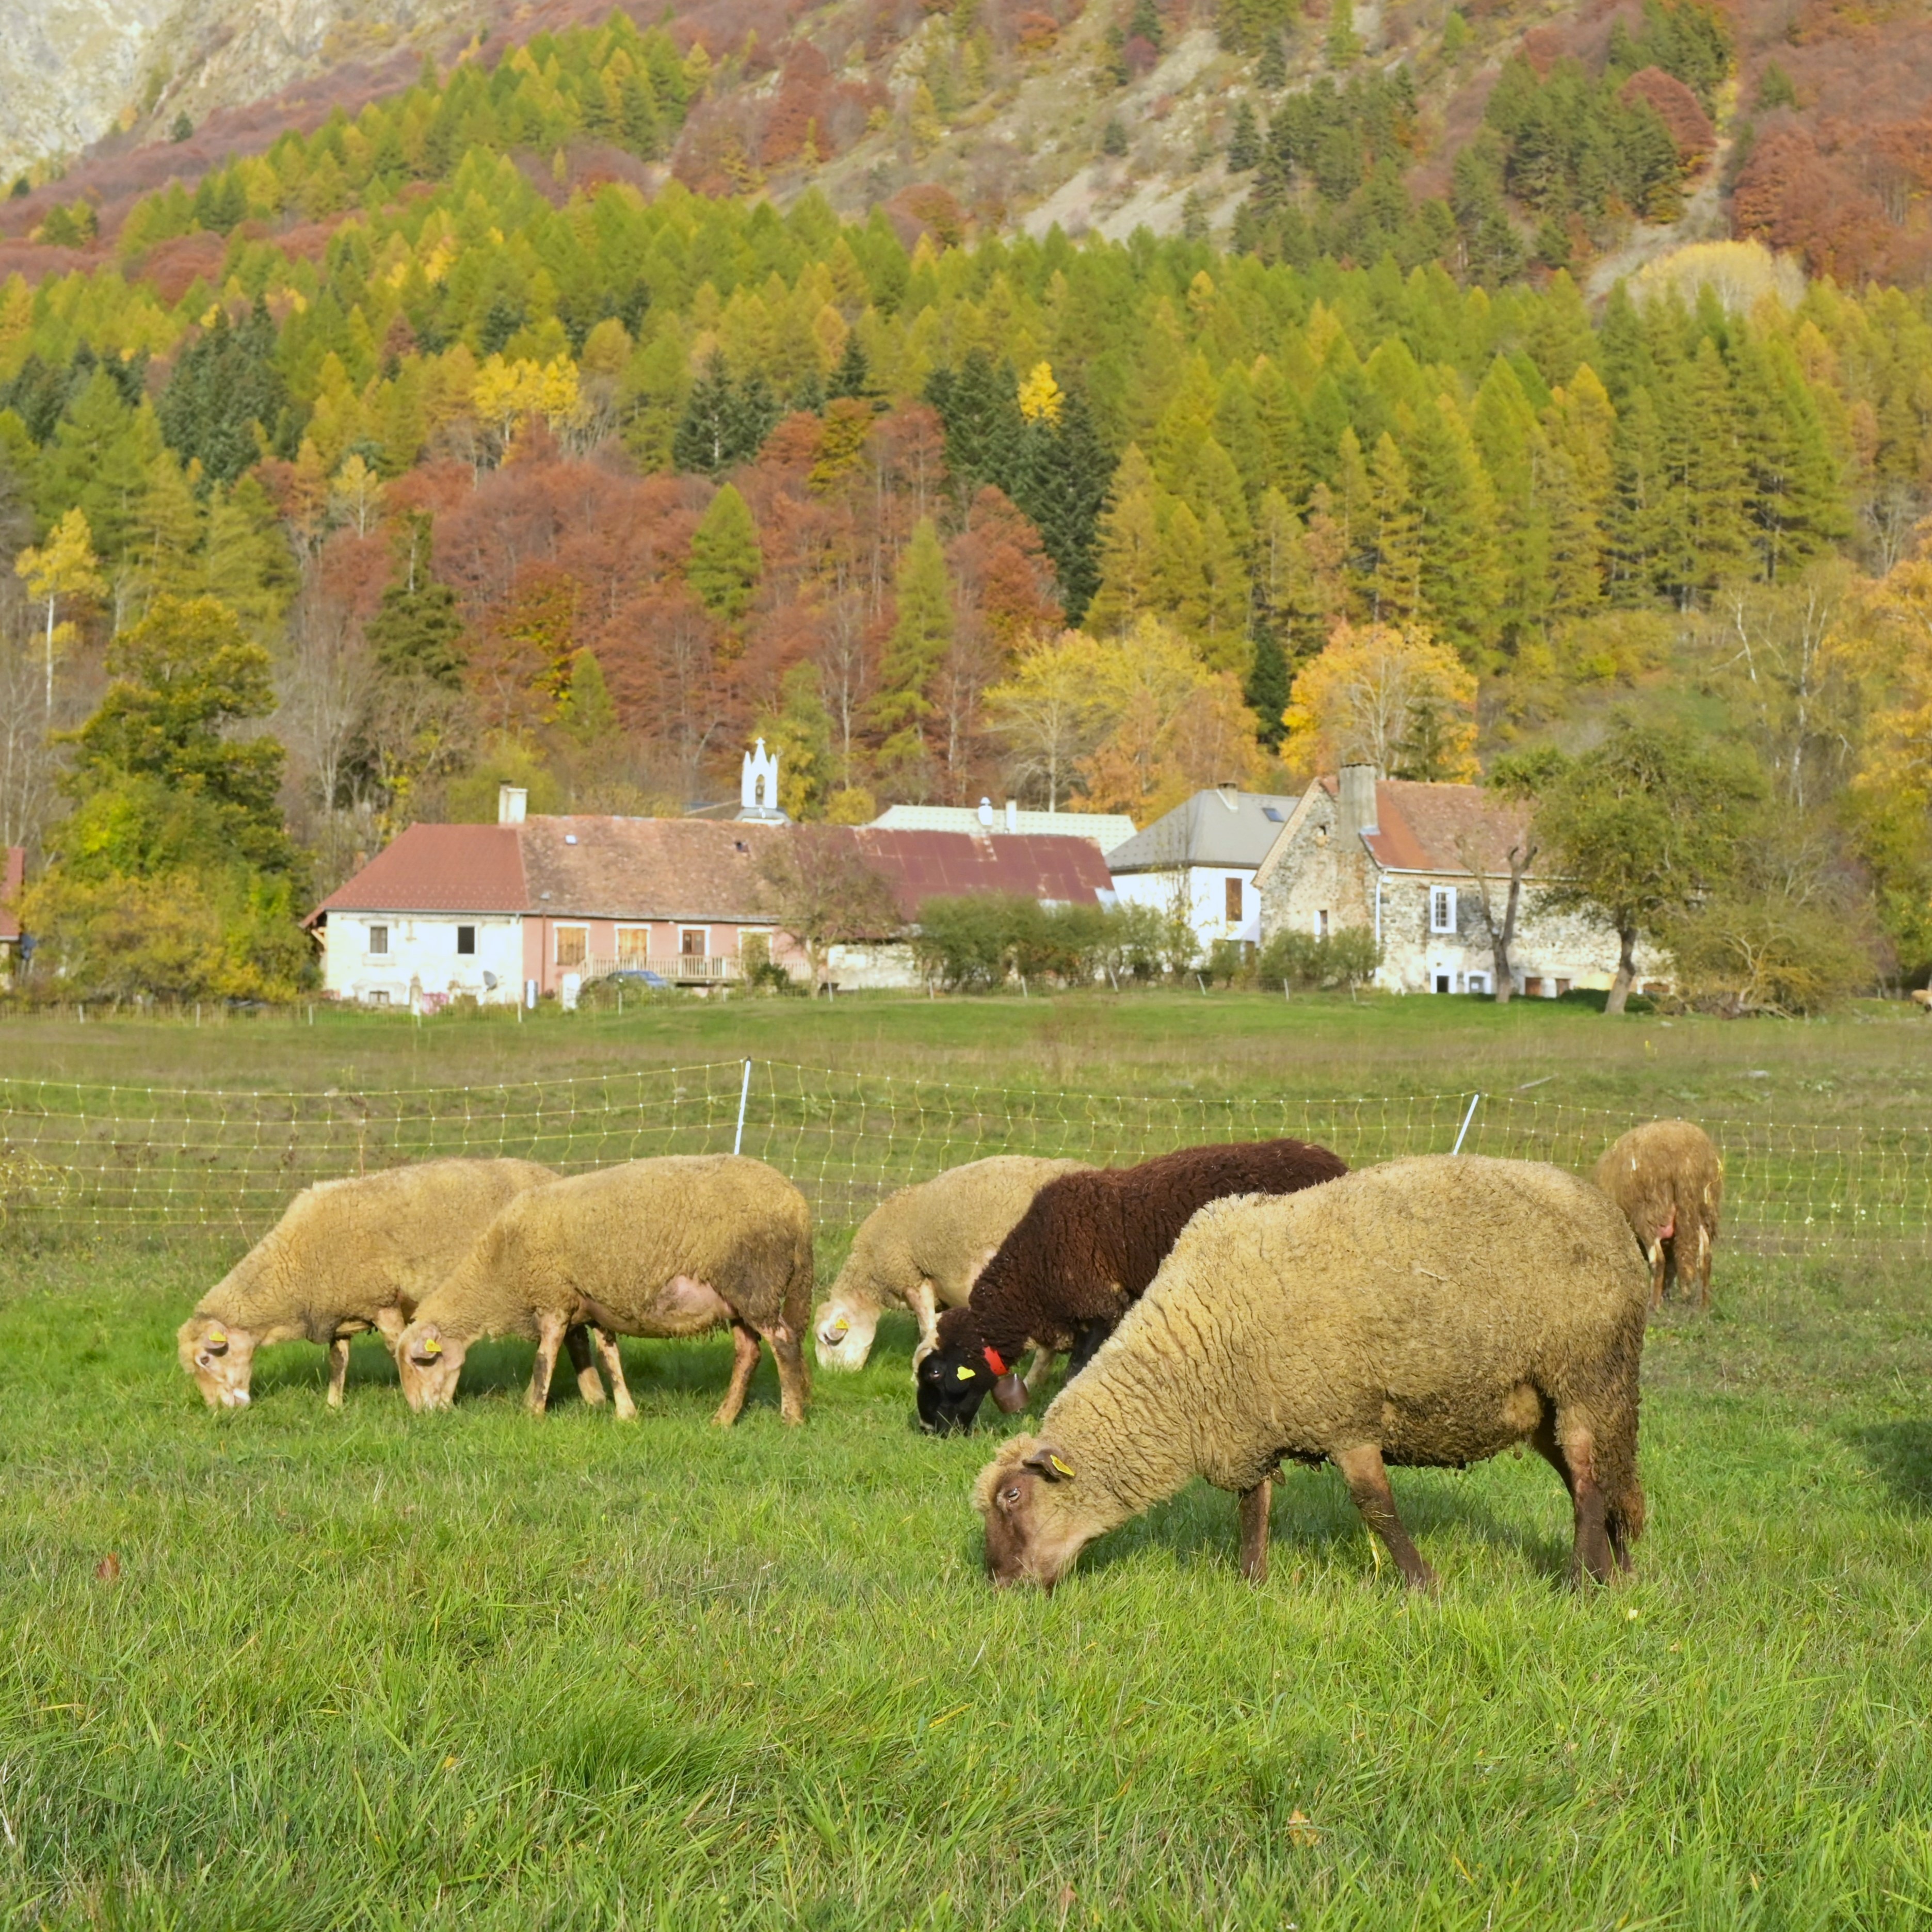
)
(1081, 1254)
(1667, 1178)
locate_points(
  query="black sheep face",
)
(953, 1383)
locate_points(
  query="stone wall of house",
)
(1315, 875)
(884, 967)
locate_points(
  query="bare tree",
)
(329, 686)
(817, 881)
(1501, 935)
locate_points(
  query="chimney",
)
(1012, 814)
(986, 814)
(1230, 790)
(510, 800)
(1355, 811)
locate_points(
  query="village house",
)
(1411, 860)
(13, 882)
(531, 908)
(1198, 861)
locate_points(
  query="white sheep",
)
(673, 1247)
(1430, 1312)
(923, 1249)
(347, 1256)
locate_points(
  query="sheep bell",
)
(953, 1382)
(842, 1336)
(429, 1365)
(1021, 1495)
(219, 1358)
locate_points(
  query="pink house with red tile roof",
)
(1413, 862)
(541, 906)
(13, 882)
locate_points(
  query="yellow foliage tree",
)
(1040, 396)
(63, 570)
(506, 393)
(1388, 695)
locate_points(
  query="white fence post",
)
(1475, 1100)
(744, 1094)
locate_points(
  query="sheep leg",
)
(1254, 1520)
(338, 1369)
(1703, 1266)
(1596, 1550)
(1038, 1370)
(550, 1330)
(787, 1352)
(1656, 1274)
(1087, 1340)
(1362, 1469)
(745, 1340)
(924, 1305)
(577, 1341)
(613, 1367)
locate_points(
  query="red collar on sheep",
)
(993, 1361)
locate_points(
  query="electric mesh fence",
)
(106, 1159)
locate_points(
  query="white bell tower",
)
(758, 787)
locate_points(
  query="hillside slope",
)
(1107, 116)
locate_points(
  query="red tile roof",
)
(11, 882)
(672, 868)
(1442, 828)
(438, 868)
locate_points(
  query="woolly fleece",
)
(1431, 1307)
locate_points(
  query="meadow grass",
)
(366, 1669)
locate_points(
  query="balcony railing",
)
(679, 968)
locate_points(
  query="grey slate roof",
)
(1219, 827)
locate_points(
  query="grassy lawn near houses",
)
(289, 1668)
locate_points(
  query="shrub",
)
(1230, 961)
(1346, 959)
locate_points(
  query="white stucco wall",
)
(422, 949)
(1203, 892)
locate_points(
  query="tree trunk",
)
(1621, 985)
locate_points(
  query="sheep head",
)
(842, 1332)
(219, 1356)
(1029, 1495)
(958, 1373)
(429, 1364)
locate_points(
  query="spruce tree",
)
(227, 385)
(706, 433)
(726, 561)
(854, 375)
(1244, 144)
(1266, 690)
(418, 632)
(1064, 473)
(586, 710)
(1271, 70)
(978, 406)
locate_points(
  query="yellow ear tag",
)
(965, 1375)
(841, 1327)
(1065, 1469)
(432, 1347)
(217, 1338)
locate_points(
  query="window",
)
(1532, 988)
(377, 999)
(571, 944)
(379, 939)
(1322, 923)
(633, 945)
(1233, 896)
(1442, 908)
(1272, 813)
(466, 939)
(1442, 983)
(691, 942)
(1478, 982)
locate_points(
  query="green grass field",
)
(373, 1670)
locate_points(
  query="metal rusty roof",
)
(923, 865)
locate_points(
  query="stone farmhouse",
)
(1199, 861)
(13, 882)
(1409, 859)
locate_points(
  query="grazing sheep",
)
(1667, 1178)
(923, 1249)
(1075, 1260)
(673, 1247)
(1428, 1312)
(347, 1255)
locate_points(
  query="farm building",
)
(13, 882)
(1412, 861)
(1107, 830)
(1200, 861)
(532, 907)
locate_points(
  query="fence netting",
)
(106, 1159)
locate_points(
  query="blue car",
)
(635, 976)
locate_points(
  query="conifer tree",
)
(164, 542)
(1129, 548)
(248, 566)
(586, 710)
(1244, 144)
(726, 561)
(418, 633)
(1639, 502)
(1459, 577)
(1705, 481)
(1064, 473)
(1391, 561)
(921, 635)
(227, 391)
